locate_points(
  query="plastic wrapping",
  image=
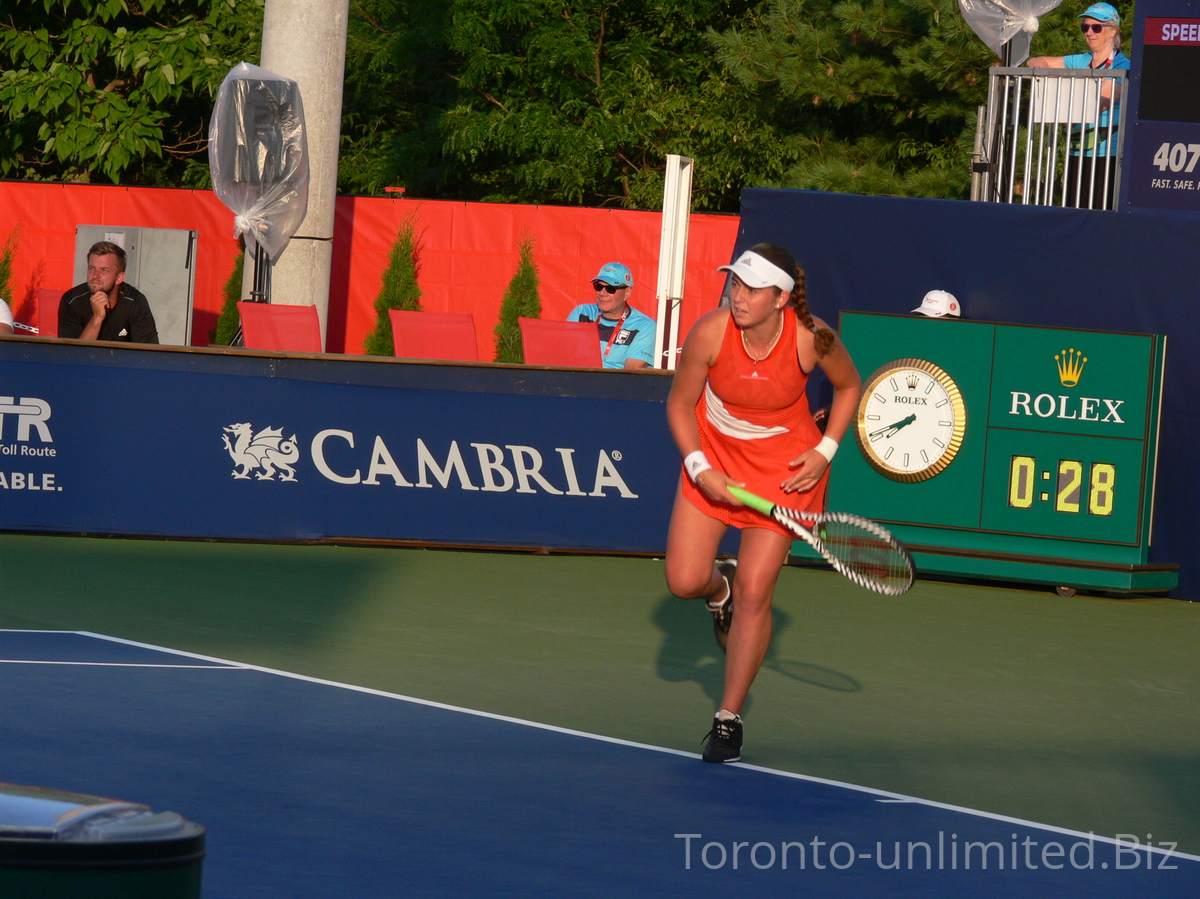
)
(258, 155)
(999, 21)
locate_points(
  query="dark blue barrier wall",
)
(1027, 265)
(100, 438)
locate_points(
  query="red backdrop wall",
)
(468, 251)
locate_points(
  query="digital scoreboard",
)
(1006, 451)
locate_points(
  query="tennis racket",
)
(857, 548)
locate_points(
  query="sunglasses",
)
(1085, 27)
(607, 288)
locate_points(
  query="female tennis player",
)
(739, 414)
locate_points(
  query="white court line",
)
(17, 630)
(881, 795)
(116, 664)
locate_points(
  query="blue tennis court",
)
(312, 788)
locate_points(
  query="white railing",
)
(1036, 141)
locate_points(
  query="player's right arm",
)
(699, 355)
(99, 306)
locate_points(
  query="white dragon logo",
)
(267, 450)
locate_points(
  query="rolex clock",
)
(1053, 481)
(911, 420)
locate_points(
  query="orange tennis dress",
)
(754, 419)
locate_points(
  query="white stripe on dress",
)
(731, 426)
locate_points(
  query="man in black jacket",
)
(104, 307)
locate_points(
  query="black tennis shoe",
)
(724, 741)
(723, 611)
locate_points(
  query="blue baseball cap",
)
(1101, 12)
(615, 274)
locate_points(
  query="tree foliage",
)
(539, 101)
(879, 97)
(580, 101)
(399, 289)
(521, 299)
(230, 319)
(389, 92)
(115, 89)
(8, 253)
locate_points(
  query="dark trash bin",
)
(56, 845)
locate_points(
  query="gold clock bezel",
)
(910, 476)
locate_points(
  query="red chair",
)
(280, 327)
(47, 311)
(565, 344)
(434, 335)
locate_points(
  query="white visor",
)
(755, 271)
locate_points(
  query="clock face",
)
(911, 420)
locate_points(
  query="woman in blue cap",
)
(1101, 27)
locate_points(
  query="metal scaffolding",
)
(1050, 137)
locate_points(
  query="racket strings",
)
(864, 551)
(860, 549)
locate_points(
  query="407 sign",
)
(1177, 157)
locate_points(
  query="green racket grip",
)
(754, 502)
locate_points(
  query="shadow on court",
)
(689, 652)
(171, 592)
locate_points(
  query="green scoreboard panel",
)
(1050, 477)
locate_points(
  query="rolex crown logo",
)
(912, 381)
(1070, 366)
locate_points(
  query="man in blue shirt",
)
(626, 335)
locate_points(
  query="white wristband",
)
(827, 448)
(695, 463)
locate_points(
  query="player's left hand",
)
(809, 466)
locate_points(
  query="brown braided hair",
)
(824, 339)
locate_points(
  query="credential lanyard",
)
(615, 331)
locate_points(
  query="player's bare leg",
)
(692, 543)
(760, 560)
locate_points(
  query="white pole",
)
(672, 258)
(305, 40)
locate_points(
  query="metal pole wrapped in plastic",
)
(258, 156)
(1007, 26)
